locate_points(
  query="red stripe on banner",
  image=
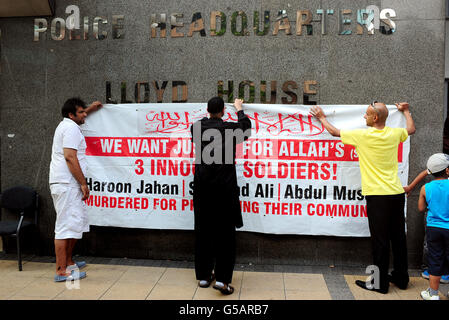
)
(139, 147)
(272, 149)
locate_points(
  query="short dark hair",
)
(71, 105)
(439, 174)
(215, 105)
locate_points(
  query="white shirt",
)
(67, 135)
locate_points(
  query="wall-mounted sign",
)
(238, 23)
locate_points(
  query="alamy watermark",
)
(373, 281)
(375, 16)
(214, 146)
(73, 20)
(73, 281)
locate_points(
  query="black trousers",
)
(438, 255)
(387, 225)
(215, 250)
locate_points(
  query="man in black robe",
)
(216, 194)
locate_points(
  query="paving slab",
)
(122, 279)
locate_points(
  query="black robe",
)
(215, 190)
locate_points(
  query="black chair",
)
(23, 201)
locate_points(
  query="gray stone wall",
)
(38, 76)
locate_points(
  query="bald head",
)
(381, 111)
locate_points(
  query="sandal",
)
(226, 289)
(206, 283)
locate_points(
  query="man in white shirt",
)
(68, 186)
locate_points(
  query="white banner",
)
(294, 177)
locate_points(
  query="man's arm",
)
(422, 204)
(71, 158)
(94, 106)
(238, 104)
(243, 119)
(409, 188)
(405, 109)
(318, 113)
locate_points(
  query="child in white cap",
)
(434, 197)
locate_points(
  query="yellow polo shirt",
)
(378, 158)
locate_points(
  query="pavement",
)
(140, 279)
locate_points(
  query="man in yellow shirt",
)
(377, 148)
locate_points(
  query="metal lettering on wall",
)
(60, 34)
(213, 23)
(282, 23)
(344, 22)
(175, 24)
(333, 21)
(161, 24)
(310, 89)
(142, 92)
(246, 90)
(243, 24)
(266, 23)
(304, 18)
(96, 32)
(197, 25)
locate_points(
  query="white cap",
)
(437, 162)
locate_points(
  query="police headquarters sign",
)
(217, 24)
(294, 178)
(241, 23)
